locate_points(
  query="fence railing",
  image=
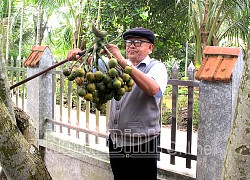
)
(72, 122)
(16, 73)
(74, 116)
(190, 84)
(65, 98)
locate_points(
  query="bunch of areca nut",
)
(96, 85)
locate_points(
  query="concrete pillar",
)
(39, 90)
(217, 103)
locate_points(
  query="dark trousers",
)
(134, 162)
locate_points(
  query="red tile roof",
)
(218, 63)
(34, 56)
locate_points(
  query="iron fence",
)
(74, 116)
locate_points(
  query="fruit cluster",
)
(95, 85)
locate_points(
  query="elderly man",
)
(134, 120)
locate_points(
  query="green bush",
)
(182, 107)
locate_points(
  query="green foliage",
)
(196, 111)
(172, 23)
(119, 16)
(116, 17)
(182, 107)
(4, 9)
(170, 20)
(166, 114)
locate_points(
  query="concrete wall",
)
(70, 167)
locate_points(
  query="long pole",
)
(44, 71)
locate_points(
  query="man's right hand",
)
(72, 55)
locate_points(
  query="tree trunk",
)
(19, 157)
(237, 162)
(38, 25)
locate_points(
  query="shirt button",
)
(117, 107)
(115, 121)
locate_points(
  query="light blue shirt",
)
(159, 73)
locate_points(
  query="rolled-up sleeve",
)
(159, 73)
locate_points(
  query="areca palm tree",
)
(214, 20)
(69, 17)
(44, 10)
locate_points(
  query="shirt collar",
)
(145, 61)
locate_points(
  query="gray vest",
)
(136, 114)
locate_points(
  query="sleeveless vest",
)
(136, 114)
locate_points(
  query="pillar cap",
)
(218, 63)
(34, 56)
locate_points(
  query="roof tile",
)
(35, 55)
(218, 63)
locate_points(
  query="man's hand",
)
(115, 51)
(72, 55)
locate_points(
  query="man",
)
(134, 120)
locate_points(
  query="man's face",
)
(138, 48)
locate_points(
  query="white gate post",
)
(39, 90)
